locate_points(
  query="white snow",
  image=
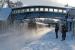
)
(22, 38)
(48, 42)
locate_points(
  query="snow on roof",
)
(4, 13)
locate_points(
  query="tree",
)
(19, 4)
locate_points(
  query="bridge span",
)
(32, 12)
(38, 12)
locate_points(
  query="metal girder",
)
(39, 15)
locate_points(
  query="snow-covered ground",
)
(48, 42)
(43, 38)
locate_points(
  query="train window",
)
(60, 10)
(41, 9)
(18, 11)
(55, 10)
(22, 10)
(13, 12)
(46, 9)
(27, 10)
(32, 9)
(50, 9)
(36, 9)
(64, 11)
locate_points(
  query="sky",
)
(48, 2)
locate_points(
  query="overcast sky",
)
(48, 2)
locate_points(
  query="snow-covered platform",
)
(21, 38)
(49, 42)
